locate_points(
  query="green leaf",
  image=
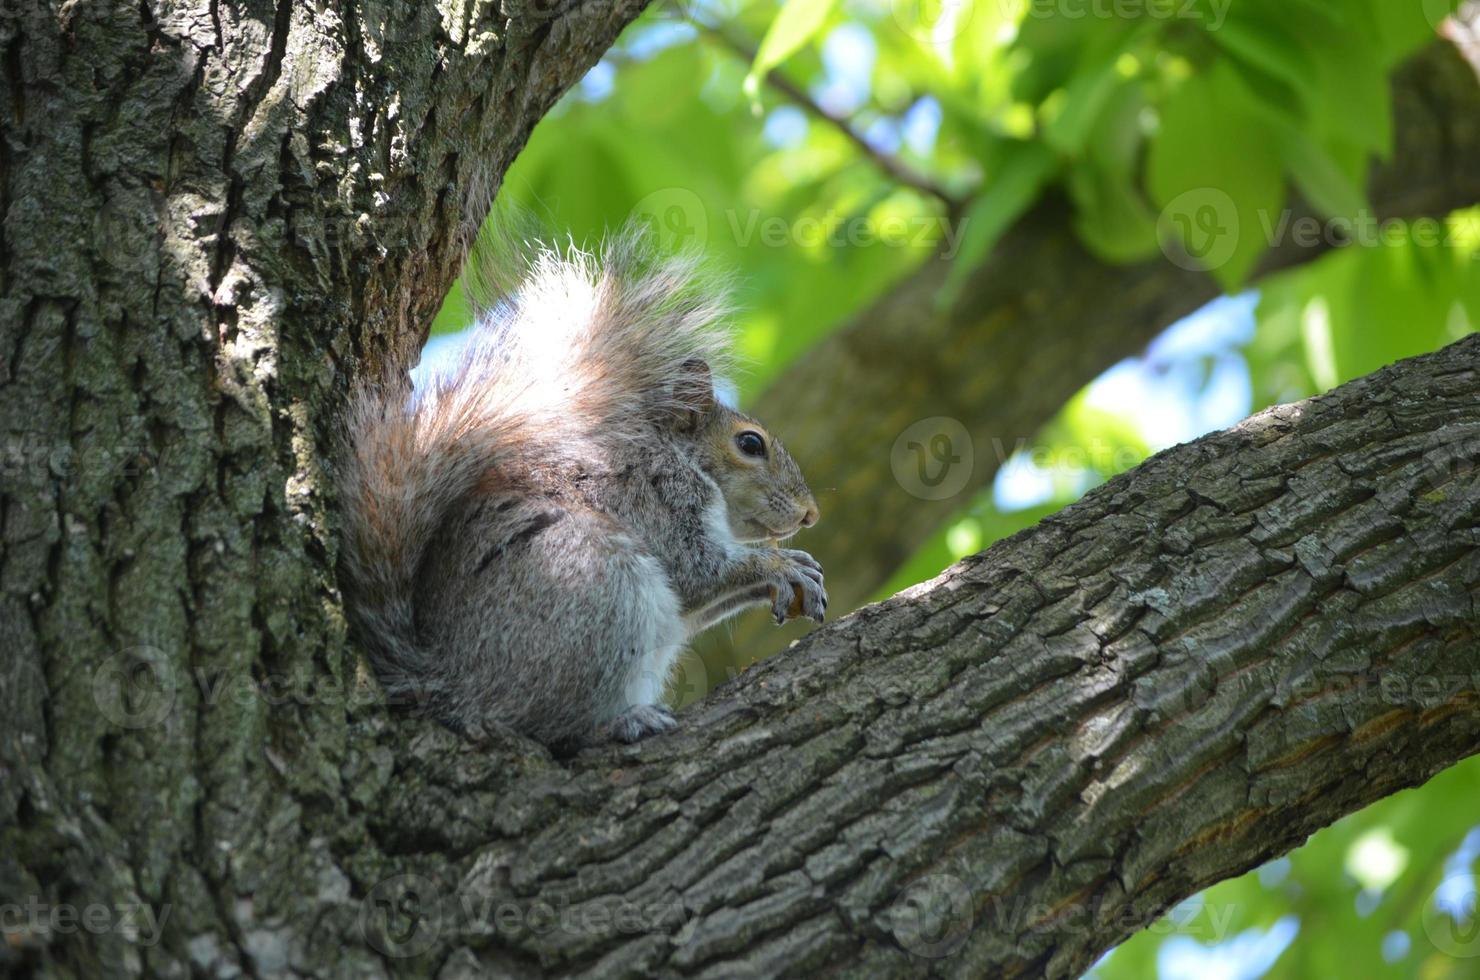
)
(1323, 182)
(1024, 170)
(1406, 27)
(1112, 216)
(1216, 172)
(1049, 49)
(1262, 42)
(1352, 99)
(1089, 89)
(798, 21)
(1399, 308)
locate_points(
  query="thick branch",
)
(1170, 682)
(1039, 320)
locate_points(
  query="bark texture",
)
(214, 214)
(1006, 770)
(1038, 320)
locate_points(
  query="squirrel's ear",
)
(693, 392)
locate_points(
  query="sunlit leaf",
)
(1216, 171)
(797, 23)
(1024, 169)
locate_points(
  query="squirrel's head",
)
(766, 497)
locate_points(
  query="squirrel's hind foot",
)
(640, 721)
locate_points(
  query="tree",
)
(216, 218)
(1014, 385)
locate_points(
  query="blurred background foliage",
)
(824, 148)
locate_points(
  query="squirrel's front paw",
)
(642, 720)
(798, 589)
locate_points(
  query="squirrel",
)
(531, 538)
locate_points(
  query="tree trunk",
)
(1037, 321)
(214, 217)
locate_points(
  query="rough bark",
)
(214, 215)
(1006, 770)
(1038, 320)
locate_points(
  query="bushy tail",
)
(579, 348)
(409, 465)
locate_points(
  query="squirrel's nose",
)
(809, 517)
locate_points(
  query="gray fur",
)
(531, 541)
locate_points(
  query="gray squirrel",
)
(531, 538)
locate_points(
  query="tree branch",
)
(1038, 320)
(893, 167)
(1007, 770)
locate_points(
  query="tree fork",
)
(215, 215)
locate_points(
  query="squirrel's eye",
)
(751, 443)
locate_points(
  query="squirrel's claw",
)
(640, 721)
(799, 592)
